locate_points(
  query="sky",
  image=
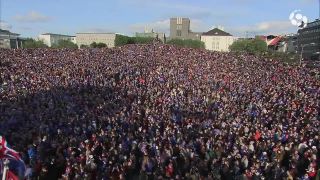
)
(238, 17)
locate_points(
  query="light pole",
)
(302, 47)
(5, 169)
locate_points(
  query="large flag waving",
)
(16, 166)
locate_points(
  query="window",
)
(179, 27)
(178, 32)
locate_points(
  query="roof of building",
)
(8, 32)
(274, 41)
(216, 32)
(57, 34)
(95, 33)
(183, 18)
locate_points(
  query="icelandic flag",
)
(16, 164)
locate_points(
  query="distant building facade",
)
(180, 29)
(152, 34)
(309, 40)
(88, 38)
(10, 40)
(282, 43)
(50, 39)
(292, 43)
(217, 40)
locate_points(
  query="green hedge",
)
(187, 43)
(123, 40)
(256, 46)
(98, 45)
(31, 43)
(65, 44)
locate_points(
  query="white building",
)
(88, 38)
(217, 40)
(50, 39)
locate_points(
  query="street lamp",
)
(302, 47)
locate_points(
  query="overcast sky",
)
(33, 17)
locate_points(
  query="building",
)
(180, 29)
(285, 44)
(308, 41)
(217, 40)
(88, 38)
(281, 43)
(291, 41)
(50, 39)
(10, 40)
(275, 43)
(152, 34)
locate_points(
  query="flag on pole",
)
(15, 167)
(6, 151)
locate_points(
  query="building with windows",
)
(88, 38)
(10, 40)
(180, 29)
(308, 41)
(217, 40)
(281, 43)
(291, 41)
(50, 39)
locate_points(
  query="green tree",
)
(259, 45)
(31, 43)
(121, 40)
(256, 46)
(143, 40)
(101, 45)
(65, 44)
(131, 40)
(82, 46)
(187, 43)
(93, 45)
(97, 45)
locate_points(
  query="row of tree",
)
(253, 46)
(187, 43)
(119, 41)
(122, 40)
(94, 45)
(31, 43)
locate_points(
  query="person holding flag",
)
(11, 164)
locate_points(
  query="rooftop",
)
(94, 33)
(183, 18)
(57, 34)
(8, 32)
(216, 32)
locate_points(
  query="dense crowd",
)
(159, 112)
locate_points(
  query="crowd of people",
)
(159, 112)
